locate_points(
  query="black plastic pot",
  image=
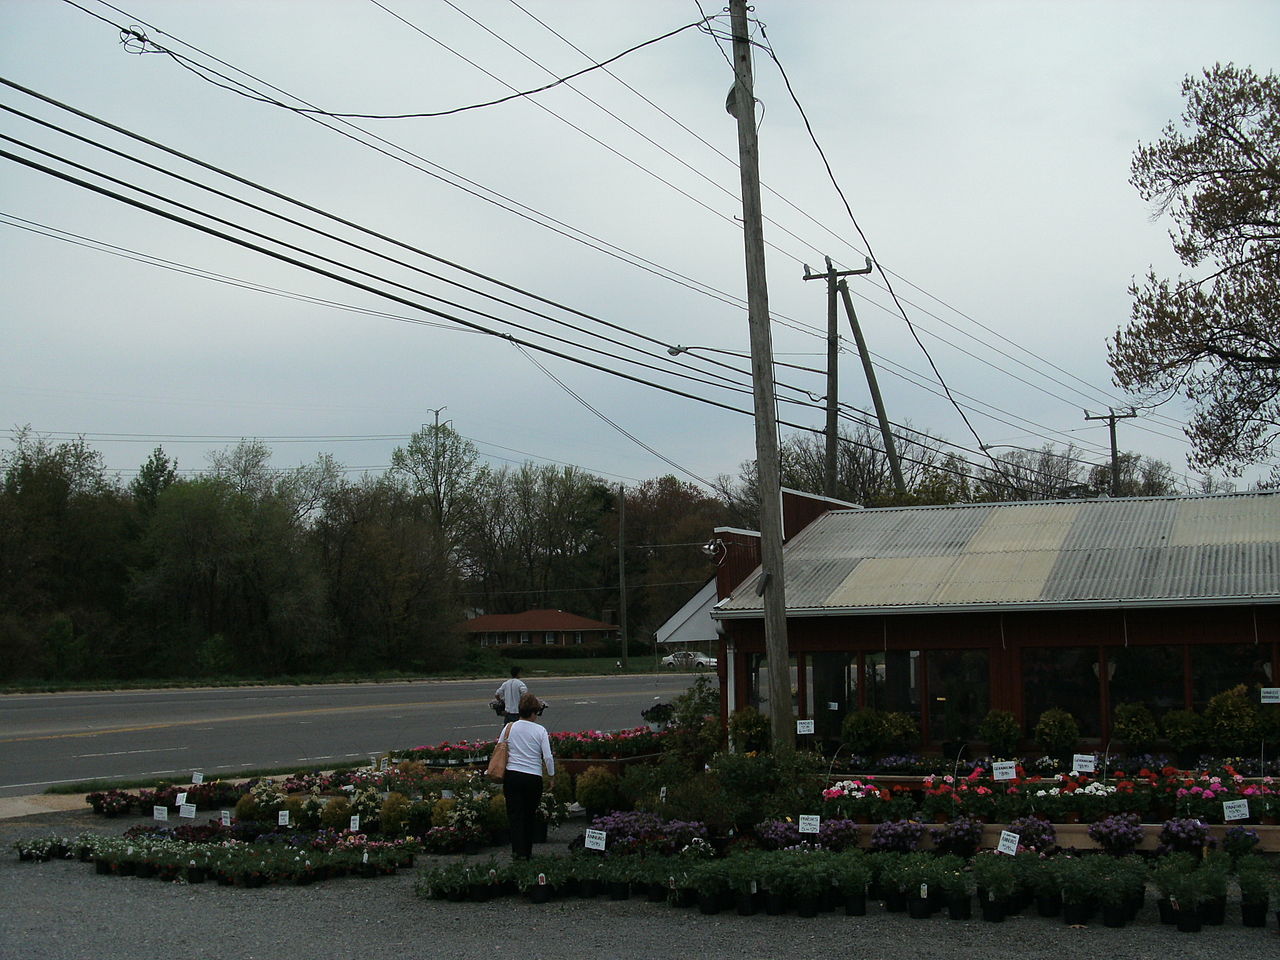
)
(960, 907)
(1049, 904)
(1114, 915)
(1189, 921)
(1254, 914)
(855, 904)
(993, 910)
(918, 908)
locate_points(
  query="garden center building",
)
(947, 612)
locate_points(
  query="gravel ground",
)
(64, 911)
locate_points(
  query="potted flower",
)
(851, 871)
(1187, 894)
(1255, 877)
(1185, 732)
(658, 715)
(1057, 734)
(1186, 834)
(1118, 835)
(920, 877)
(1000, 730)
(1076, 884)
(809, 880)
(1165, 874)
(996, 878)
(901, 836)
(956, 882)
(961, 836)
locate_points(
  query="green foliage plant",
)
(863, 732)
(1184, 730)
(901, 733)
(749, 730)
(1135, 727)
(1000, 730)
(1057, 733)
(1231, 722)
(995, 874)
(598, 790)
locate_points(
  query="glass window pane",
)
(1219, 667)
(832, 690)
(1063, 677)
(893, 682)
(1147, 675)
(958, 693)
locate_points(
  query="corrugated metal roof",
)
(1038, 554)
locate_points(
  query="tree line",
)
(242, 569)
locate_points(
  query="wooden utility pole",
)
(742, 106)
(890, 448)
(1111, 417)
(622, 573)
(833, 377)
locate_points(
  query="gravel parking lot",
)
(64, 911)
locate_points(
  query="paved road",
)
(70, 737)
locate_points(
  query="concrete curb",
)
(11, 807)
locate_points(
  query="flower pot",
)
(1114, 915)
(960, 906)
(619, 890)
(1213, 912)
(656, 892)
(1168, 915)
(588, 887)
(745, 903)
(102, 867)
(774, 903)
(807, 906)
(918, 908)
(855, 904)
(1189, 921)
(895, 901)
(993, 910)
(480, 892)
(708, 903)
(456, 895)
(145, 870)
(1049, 904)
(196, 874)
(540, 893)
(540, 831)
(685, 897)
(1254, 913)
(1075, 914)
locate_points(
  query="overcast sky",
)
(984, 148)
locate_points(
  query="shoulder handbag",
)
(498, 761)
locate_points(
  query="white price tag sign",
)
(197, 778)
(355, 823)
(282, 818)
(386, 763)
(159, 812)
(595, 840)
(187, 811)
(1271, 694)
(1008, 842)
(809, 823)
(804, 726)
(1083, 763)
(1235, 810)
(662, 795)
(180, 799)
(1004, 770)
(225, 818)
(832, 705)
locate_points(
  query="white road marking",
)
(123, 753)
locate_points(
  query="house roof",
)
(1030, 555)
(692, 623)
(533, 621)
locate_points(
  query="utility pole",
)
(890, 448)
(622, 573)
(1111, 417)
(435, 466)
(833, 377)
(741, 105)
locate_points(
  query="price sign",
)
(804, 726)
(159, 812)
(1083, 763)
(662, 795)
(1235, 810)
(595, 839)
(197, 778)
(1271, 694)
(355, 823)
(181, 798)
(1004, 770)
(809, 823)
(832, 705)
(386, 763)
(1008, 842)
(187, 811)
(282, 818)
(224, 818)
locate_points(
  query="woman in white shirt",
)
(528, 748)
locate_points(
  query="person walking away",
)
(528, 749)
(510, 692)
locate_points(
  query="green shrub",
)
(1231, 722)
(863, 732)
(337, 814)
(1183, 729)
(1000, 730)
(597, 790)
(395, 808)
(901, 733)
(695, 732)
(1057, 733)
(1135, 727)
(749, 730)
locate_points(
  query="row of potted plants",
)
(808, 880)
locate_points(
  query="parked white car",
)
(689, 660)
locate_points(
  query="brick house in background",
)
(540, 627)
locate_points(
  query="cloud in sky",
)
(983, 146)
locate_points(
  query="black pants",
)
(509, 718)
(522, 792)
